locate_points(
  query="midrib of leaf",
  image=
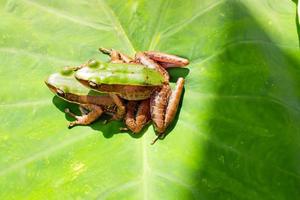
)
(145, 167)
(156, 35)
(123, 36)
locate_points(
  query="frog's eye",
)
(92, 84)
(60, 93)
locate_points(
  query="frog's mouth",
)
(51, 87)
(55, 90)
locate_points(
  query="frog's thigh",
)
(136, 120)
(174, 102)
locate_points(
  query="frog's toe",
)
(72, 124)
(123, 129)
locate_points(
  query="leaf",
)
(237, 134)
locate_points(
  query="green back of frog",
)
(120, 73)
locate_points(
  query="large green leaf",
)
(237, 135)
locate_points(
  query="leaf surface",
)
(237, 134)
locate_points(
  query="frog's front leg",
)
(121, 109)
(85, 119)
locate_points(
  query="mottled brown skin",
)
(163, 101)
(163, 108)
(137, 115)
(166, 60)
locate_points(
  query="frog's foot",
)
(137, 115)
(123, 129)
(85, 119)
(164, 106)
(116, 56)
(105, 50)
(74, 68)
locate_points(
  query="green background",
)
(237, 135)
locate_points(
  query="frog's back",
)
(120, 74)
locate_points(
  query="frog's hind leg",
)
(164, 107)
(167, 60)
(137, 116)
(158, 105)
(94, 113)
(116, 56)
(174, 102)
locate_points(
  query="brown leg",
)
(164, 107)
(95, 113)
(136, 120)
(116, 56)
(144, 60)
(167, 60)
(121, 109)
(174, 102)
(158, 105)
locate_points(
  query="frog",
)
(92, 104)
(163, 101)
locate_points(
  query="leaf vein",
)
(118, 26)
(177, 27)
(75, 19)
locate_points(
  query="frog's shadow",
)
(108, 129)
(175, 73)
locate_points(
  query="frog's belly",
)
(128, 92)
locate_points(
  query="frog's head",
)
(89, 76)
(63, 83)
(56, 84)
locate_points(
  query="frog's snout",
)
(51, 87)
(55, 90)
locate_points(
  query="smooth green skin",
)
(237, 135)
(66, 81)
(121, 74)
